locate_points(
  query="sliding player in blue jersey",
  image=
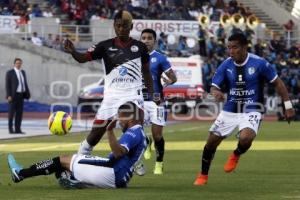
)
(155, 114)
(243, 74)
(114, 171)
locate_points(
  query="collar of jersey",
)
(246, 60)
(121, 44)
(135, 126)
(152, 52)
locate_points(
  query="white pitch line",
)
(46, 148)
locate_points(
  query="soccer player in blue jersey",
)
(115, 171)
(243, 74)
(155, 114)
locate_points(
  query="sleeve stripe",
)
(125, 146)
(167, 70)
(274, 79)
(213, 84)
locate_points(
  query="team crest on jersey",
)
(134, 48)
(123, 71)
(251, 70)
(153, 60)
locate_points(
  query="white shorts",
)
(226, 122)
(109, 106)
(88, 170)
(154, 114)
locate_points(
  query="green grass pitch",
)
(269, 171)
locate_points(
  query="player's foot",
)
(67, 181)
(231, 163)
(85, 148)
(158, 169)
(201, 179)
(147, 154)
(139, 169)
(15, 168)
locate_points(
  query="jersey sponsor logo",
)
(235, 92)
(123, 71)
(251, 70)
(134, 48)
(112, 49)
(122, 80)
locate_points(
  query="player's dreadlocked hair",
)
(124, 15)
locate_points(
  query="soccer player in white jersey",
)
(155, 113)
(126, 63)
(114, 171)
(243, 75)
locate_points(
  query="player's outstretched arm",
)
(217, 94)
(117, 150)
(69, 48)
(283, 93)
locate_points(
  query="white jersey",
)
(123, 65)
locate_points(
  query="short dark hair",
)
(17, 59)
(151, 31)
(240, 37)
(130, 109)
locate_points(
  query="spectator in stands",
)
(49, 41)
(6, 11)
(162, 43)
(36, 40)
(274, 45)
(182, 47)
(259, 48)
(201, 41)
(47, 12)
(211, 47)
(295, 84)
(36, 11)
(57, 43)
(221, 34)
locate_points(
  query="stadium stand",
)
(283, 55)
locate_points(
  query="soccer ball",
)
(59, 123)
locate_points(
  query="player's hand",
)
(9, 99)
(111, 125)
(218, 95)
(68, 46)
(289, 114)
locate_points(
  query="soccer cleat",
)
(231, 163)
(147, 154)
(85, 148)
(158, 169)
(139, 169)
(15, 168)
(201, 179)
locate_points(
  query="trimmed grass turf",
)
(262, 174)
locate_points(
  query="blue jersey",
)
(134, 140)
(158, 65)
(244, 83)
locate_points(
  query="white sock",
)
(85, 148)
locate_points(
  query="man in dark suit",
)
(16, 91)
